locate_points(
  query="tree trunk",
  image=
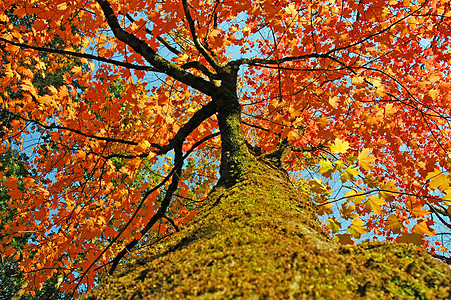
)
(259, 238)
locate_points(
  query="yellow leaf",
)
(366, 161)
(447, 197)
(344, 239)
(333, 225)
(339, 146)
(357, 79)
(380, 91)
(438, 179)
(326, 168)
(349, 174)
(348, 211)
(334, 101)
(357, 228)
(374, 203)
(394, 224)
(355, 196)
(433, 174)
(143, 146)
(423, 228)
(317, 186)
(371, 181)
(387, 189)
(324, 209)
(339, 164)
(416, 209)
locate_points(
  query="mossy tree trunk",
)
(258, 237)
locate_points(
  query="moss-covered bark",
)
(261, 239)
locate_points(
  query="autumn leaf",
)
(324, 208)
(394, 224)
(411, 238)
(374, 204)
(344, 239)
(333, 225)
(326, 167)
(422, 228)
(356, 196)
(349, 174)
(317, 186)
(357, 229)
(437, 179)
(415, 207)
(339, 146)
(387, 190)
(347, 211)
(334, 102)
(365, 160)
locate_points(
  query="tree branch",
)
(81, 55)
(149, 54)
(159, 38)
(210, 59)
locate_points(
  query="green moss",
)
(259, 239)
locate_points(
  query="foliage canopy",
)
(165, 92)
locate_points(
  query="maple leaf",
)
(333, 225)
(374, 203)
(437, 179)
(347, 211)
(394, 224)
(356, 229)
(365, 160)
(356, 196)
(386, 190)
(422, 228)
(416, 208)
(349, 174)
(339, 146)
(326, 167)
(344, 239)
(317, 186)
(411, 238)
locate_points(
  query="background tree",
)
(262, 90)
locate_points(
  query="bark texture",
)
(260, 239)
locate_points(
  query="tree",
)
(11, 280)
(263, 90)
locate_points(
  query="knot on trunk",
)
(278, 154)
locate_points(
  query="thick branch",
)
(175, 173)
(199, 116)
(149, 54)
(198, 66)
(159, 38)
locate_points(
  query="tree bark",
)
(260, 238)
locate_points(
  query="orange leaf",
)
(411, 238)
